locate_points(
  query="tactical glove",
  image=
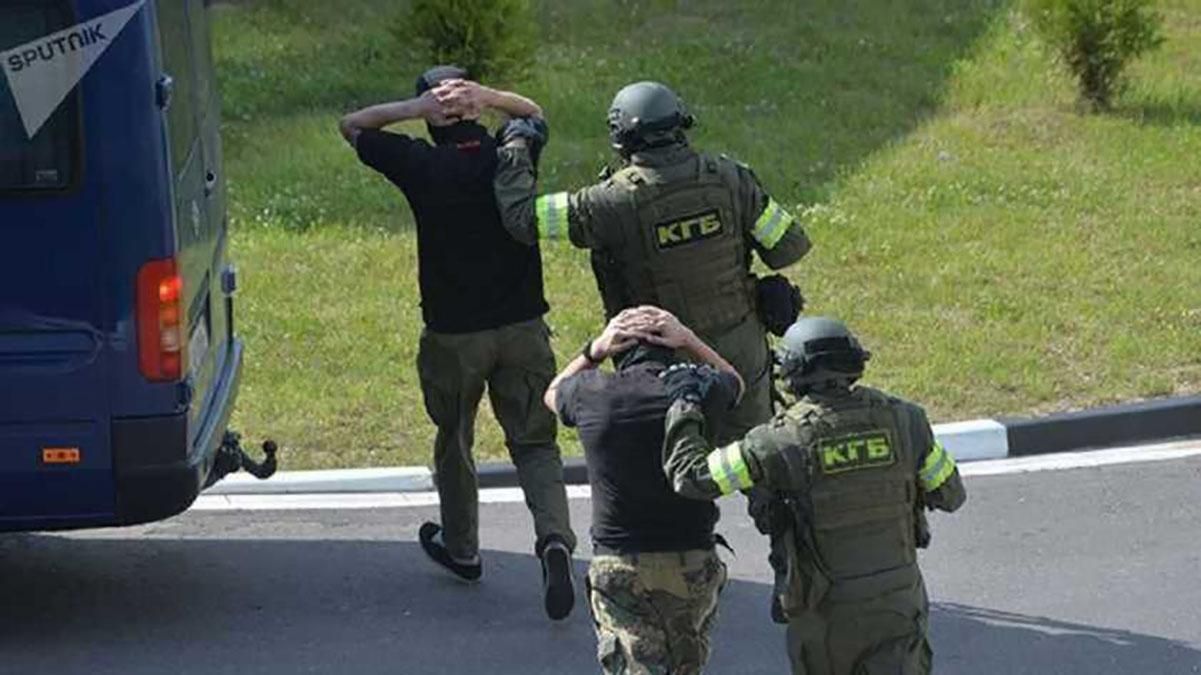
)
(689, 381)
(779, 303)
(532, 129)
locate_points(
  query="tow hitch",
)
(231, 457)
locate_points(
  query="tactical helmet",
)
(646, 115)
(818, 350)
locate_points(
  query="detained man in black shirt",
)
(655, 577)
(482, 303)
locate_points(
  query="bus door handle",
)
(210, 183)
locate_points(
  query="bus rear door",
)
(55, 461)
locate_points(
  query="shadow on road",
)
(70, 605)
(976, 640)
(98, 606)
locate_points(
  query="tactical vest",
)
(684, 250)
(853, 505)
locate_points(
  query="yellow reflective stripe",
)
(772, 224)
(552, 215)
(728, 469)
(937, 468)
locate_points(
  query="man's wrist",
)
(589, 354)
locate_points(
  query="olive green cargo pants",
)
(516, 364)
(881, 635)
(745, 347)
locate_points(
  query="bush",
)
(1097, 39)
(490, 38)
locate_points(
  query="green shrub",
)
(490, 38)
(1097, 39)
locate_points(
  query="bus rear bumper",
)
(150, 489)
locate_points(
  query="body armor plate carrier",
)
(684, 251)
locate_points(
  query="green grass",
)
(999, 252)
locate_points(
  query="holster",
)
(921, 526)
(778, 302)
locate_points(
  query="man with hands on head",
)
(482, 302)
(655, 577)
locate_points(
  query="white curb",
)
(974, 440)
(391, 479)
(967, 441)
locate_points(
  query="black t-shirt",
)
(473, 274)
(620, 417)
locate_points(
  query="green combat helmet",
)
(647, 115)
(817, 353)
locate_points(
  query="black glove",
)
(780, 301)
(689, 381)
(532, 129)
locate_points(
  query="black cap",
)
(430, 78)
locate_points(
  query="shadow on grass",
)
(803, 92)
(1158, 113)
(73, 605)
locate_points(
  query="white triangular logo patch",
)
(41, 73)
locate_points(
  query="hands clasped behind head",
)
(457, 99)
(654, 325)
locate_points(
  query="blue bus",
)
(119, 365)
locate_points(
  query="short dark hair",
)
(644, 352)
(430, 78)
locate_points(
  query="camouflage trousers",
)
(654, 611)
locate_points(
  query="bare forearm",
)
(706, 354)
(511, 104)
(380, 116)
(578, 364)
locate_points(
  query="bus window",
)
(48, 161)
(177, 62)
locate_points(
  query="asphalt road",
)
(1080, 571)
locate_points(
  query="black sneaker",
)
(558, 587)
(430, 536)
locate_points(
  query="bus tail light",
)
(160, 321)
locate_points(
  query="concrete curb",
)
(974, 440)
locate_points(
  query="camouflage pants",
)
(654, 611)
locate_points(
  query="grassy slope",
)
(999, 252)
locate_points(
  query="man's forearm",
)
(578, 364)
(380, 116)
(706, 354)
(512, 104)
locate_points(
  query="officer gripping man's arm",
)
(697, 470)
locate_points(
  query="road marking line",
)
(512, 495)
(1082, 460)
(352, 501)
